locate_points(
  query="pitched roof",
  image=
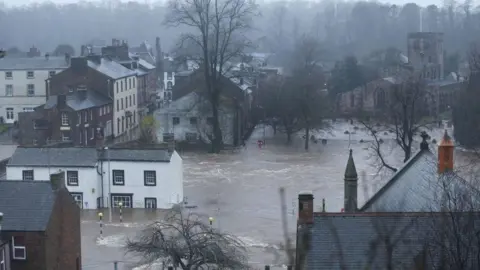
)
(110, 68)
(34, 63)
(357, 241)
(415, 187)
(26, 205)
(58, 157)
(80, 100)
(139, 155)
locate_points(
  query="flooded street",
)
(240, 190)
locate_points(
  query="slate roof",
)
(111, 68)
(58, 157)
(80, 101)
(139, 155)
(358, 240)
(26, 205)
(34, 63)
(415, 187)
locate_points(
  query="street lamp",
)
(210, 220)
(120, 204)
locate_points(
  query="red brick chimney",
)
(305, 207)
(445, 154)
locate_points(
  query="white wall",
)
(125, 94)
(20, 98)
(169, 188)
(168, 191)
(88, 180)
(185, 108)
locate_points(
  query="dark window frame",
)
(81, 195)
(28, 171)
(193, 120)
(114, 172)
(150, 198)
(175, 120)
(75, 175)
(145, 172)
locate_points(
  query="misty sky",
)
(26, 2)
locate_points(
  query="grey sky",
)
(24, 2)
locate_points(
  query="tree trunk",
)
(289, 136)
(217, 141)
(307, 137)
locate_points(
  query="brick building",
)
(41, 223)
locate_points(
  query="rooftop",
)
(80, 100)
(82, 156)
(34, 63)
(111, 68)
(26, 205)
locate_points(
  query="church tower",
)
(445, 154)
(351, 186)
(425, 54)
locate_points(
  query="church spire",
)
(351, 185)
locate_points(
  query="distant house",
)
(41, 223)
(189, 118)
(22, 83)
(139, 178)
(402, 223)
(145, 52)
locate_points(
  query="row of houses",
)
(94, 97)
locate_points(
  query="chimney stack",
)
(351, 186)
(305, 207)
(61, 101)
(424, 143)
(445, 154)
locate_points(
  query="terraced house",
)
(22, 83)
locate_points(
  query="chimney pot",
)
(305, 207)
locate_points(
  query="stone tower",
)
(351, 185)
(425, 54)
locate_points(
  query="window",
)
(108, 108)
(51, 73)
(30, 75)
(9, 90)
(130, 100)
(9, 113)
(191, 137)
(169, 85)
(150, 178)
(18, 248)
(193, 120)
(134, 116)
(65, 136)
(118, 177)
(85, 117)
(123, 123)
(121, 86)
(134, 79)
(91, 115)
(65, 119)
(8, 75)
(72, 178)
(30, 90)
(169, 75)
(126, 200)
(129, 83)
(118, 105)
(108, 128)
(121, 104)
(133, 99)
(78, 198)
(176, 120)
(118, 125)
(151, 203)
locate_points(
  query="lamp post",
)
(100, 218)
(210, 220)
(120, 204)
(109, 187)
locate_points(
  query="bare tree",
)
(401, 113)
(218, 36)
(187, 242)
